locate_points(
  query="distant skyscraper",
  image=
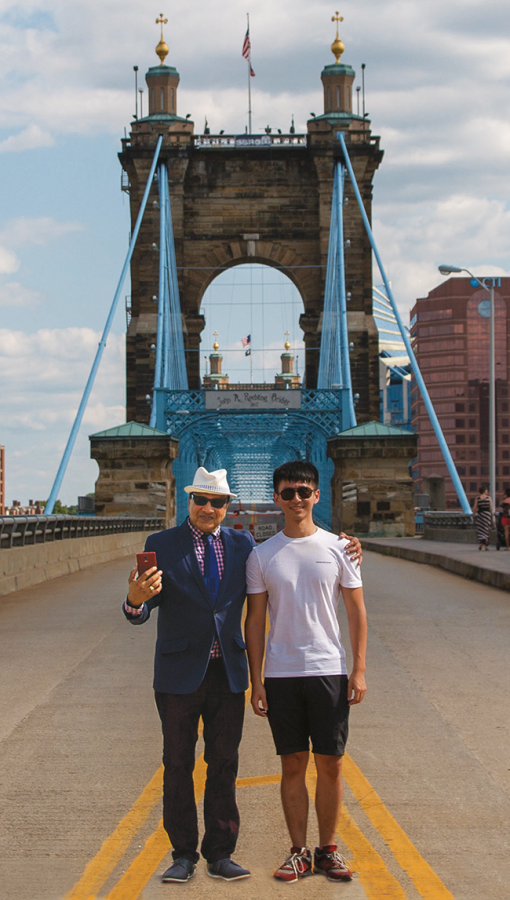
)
(450, 333)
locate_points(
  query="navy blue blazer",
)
(187, 619)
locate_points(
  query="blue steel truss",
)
(251, 443)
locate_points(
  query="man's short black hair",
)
(296, 470)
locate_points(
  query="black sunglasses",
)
(216, 502)
(303, 492)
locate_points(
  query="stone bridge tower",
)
(250, 199)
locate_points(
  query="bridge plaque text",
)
(233, 400)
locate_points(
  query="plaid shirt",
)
(199, 546)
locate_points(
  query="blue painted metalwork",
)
(251, 443)
(334, 362)
(170, 368)
(102, 343)
(461, 494)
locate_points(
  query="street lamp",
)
(451, 270)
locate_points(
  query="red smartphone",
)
(145, 561)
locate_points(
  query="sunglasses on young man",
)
(216, 502)
(303, 492)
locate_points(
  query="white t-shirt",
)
(302, 577)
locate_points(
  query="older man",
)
(199, 586)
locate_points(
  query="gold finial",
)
(337, 48)
(162, 48)
(287, 345)
(216, 346)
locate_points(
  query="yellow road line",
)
(427, 883)
(375, 877)
(114, 847)
(132, 883)
(258, 779)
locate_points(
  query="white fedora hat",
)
(206, 482)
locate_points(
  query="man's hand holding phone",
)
(144, 580)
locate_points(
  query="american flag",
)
(246, 51)
(246, 340)
(247, 46)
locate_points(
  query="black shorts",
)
(309, 707)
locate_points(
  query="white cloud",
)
(414, 239)
(31, 137)
(13, 293)
(43, 376)
(21, 231)
(9, 262)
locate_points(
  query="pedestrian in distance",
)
(298, 576)
(505, 517)
(483, 515)
(199, 589)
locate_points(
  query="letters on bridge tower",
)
(265, 200)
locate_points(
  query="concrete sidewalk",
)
(492, 567)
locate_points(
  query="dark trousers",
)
(222, 714)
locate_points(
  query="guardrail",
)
(447, 519)
(21, 531)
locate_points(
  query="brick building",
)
(450, 331)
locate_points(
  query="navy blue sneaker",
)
(227, 869)
(180, 870)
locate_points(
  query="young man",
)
(298, 576)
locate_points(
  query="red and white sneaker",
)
(297, 865)
(329, 862)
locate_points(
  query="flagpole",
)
(249, 81)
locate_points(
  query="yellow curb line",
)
(377, 880)
(427, 883)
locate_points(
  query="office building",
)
(450, 331)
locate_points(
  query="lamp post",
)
(450, 270)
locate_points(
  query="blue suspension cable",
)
(461, 494)
(341, 295)
(334, 361)
(102, 343)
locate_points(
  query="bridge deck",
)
(428, 786)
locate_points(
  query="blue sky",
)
(437, 83)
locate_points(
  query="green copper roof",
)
(130, 429)
(332, 115)
(374, 430)
(154, 71)
(164, 117)
(338, 69)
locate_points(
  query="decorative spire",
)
(216, 346)
(162, 48)
(337, 47)
(287, 345)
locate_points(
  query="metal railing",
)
(447, 519)
(248, 141)
(22, 531)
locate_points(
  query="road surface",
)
(427, 798)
